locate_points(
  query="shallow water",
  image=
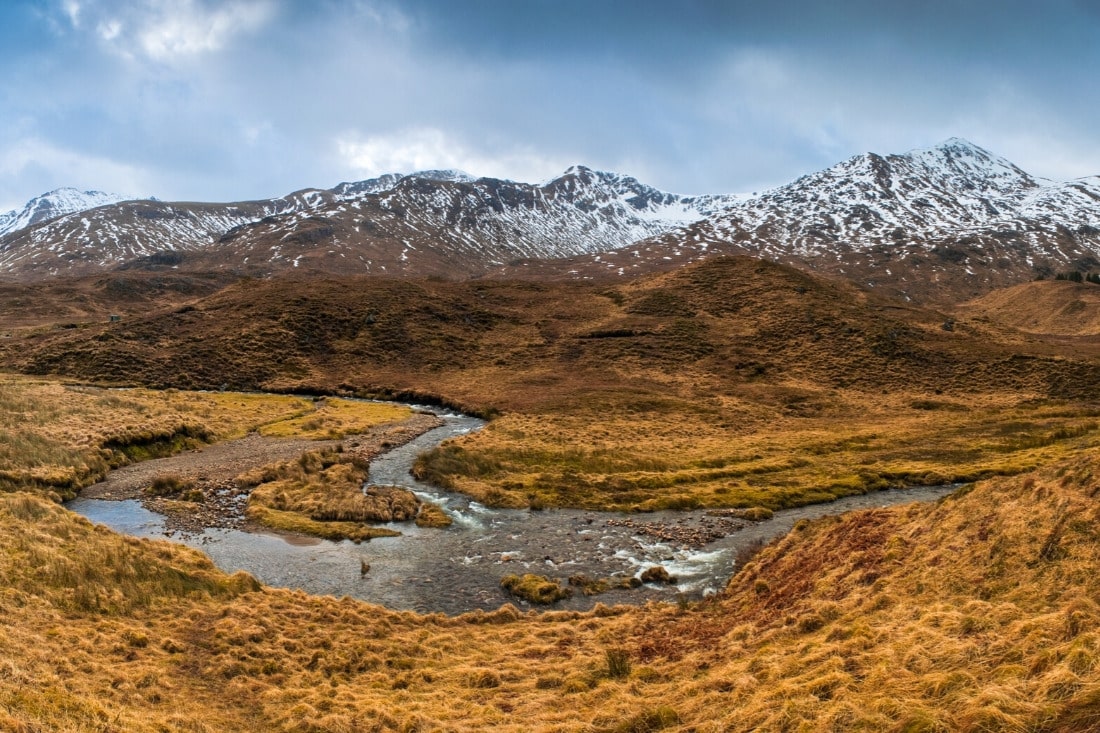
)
(459, 568)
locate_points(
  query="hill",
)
(1055, 307)
(729, 382)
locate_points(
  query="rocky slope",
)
(434, 222)
(54, 204)
(943, 223)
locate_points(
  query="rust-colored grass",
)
(976, 613)
(60, 437)
(728, 453)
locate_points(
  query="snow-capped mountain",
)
(434, 222)
(944, 221)
(953, 188)
(53, 204)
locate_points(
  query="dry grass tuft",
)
(536, 589)
(321, 494)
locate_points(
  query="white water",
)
(459, 568)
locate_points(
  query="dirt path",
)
(212, 468)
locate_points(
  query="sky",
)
(245, 99)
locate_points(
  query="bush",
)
(658, 574)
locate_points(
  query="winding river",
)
(459, 568)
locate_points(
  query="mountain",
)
(942, 224)
(54, 204)
(947, 222)
(430, 223)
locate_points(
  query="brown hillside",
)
(732, 382)
(76, 301)
(515, 345)
(1055, 307)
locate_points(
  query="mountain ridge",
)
(941, 223)
(947, 222)
(58, 202)
(382, 223)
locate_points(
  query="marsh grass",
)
(942, 616)
(321, 494)
(58, 437)
(537, 589)
(694, 459)
(333, 418)
(618, 663)
(169, 485)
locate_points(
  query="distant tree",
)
(1060, 276)
(1076, 277)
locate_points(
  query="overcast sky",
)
(219, 101)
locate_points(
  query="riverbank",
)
(212, 470)
(460, 568)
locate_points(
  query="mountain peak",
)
(55, 203)
(960, 144)
(449, 175)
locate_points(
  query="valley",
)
(589, 378)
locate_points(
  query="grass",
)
(537, 589)
(730, 385)
(701, 458)
(169, 485)
(724, 384)
(334, 418)
(974, 613)
(321, 494)
(57, 437)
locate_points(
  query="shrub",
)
(658, 574)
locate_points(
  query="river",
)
(459, 568)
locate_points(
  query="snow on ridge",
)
(870, 199)
(952, 188)
(56, 203)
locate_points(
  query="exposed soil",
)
(213, 469)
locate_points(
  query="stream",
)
(459, 568)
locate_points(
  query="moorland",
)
(730, 383)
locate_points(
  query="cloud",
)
(50, 167)
(72, 8)
(168, 31)
(426, 148)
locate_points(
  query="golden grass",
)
(60, 437)
(321, 494)
(972, 614)
(725, 452)
(334, 418)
